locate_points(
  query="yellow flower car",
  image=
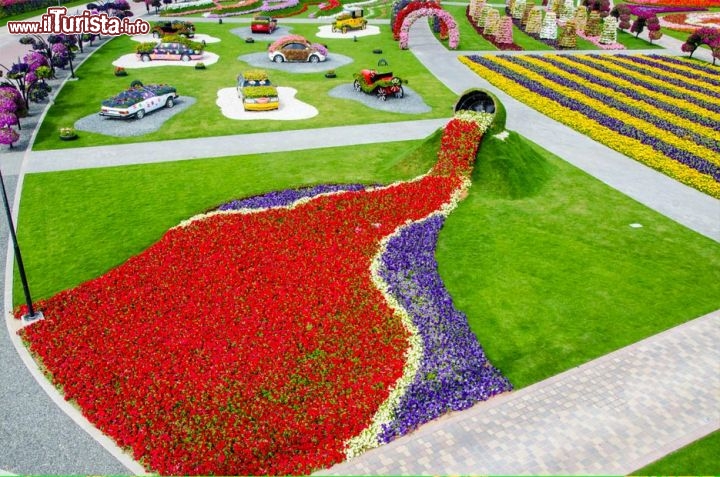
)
(256, 91)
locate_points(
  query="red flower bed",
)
(245, 343)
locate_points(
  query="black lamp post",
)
(31, 315)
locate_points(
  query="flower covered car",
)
(256, 91)
(139, 100)
(349, 20)
(380, 84)
(296, 48)
(263, 24)
(170, 51)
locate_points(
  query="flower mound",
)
(263, 337)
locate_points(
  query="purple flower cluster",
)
(454, 373)
(649, 86)
(645, 71)
(614, 124)
(648, 10)
(622, 106)
(286, 197)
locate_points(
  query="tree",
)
(653, 26)
(703, 36)
(622, 13)
(549, 27)
(609, 31)
(593, 27)
(568, 35)
(64, 47)
(8, 136)
(638, 25)
(505, 30)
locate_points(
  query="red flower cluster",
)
(245, 343)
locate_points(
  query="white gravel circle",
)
(411, 103)
(326, 32)
(290, 108)
(132, 61)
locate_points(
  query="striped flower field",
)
(663, 112)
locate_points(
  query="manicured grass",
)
(540, 256)
(40, 11)
(544, 262)
(81, 98)
(698, 458)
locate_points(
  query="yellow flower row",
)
(625, 145)
(688, 68)
(627, 84)
(649, 79)
(654, 69)
(629, 119)
(641, 105)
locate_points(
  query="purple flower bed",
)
(659, 76)
(669, 92)
(286, 197)
(675, 153)
(631, 92)
(647, 10)
(454, 373)
(695, 66)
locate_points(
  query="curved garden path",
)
(581, 421)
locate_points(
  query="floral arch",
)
(443, 15)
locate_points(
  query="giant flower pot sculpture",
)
(278, 334)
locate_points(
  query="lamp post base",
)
(28, 318)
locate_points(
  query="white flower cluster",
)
(502, 136)
(483, 120)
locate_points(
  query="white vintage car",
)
(139, 100)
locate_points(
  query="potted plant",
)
(68, 134)
(330, 74)
(199, 65)
(120, 71)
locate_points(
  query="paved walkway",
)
(610, 416)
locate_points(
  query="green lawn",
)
(81, 98)
(698, 458)
(540, 256)
(631, 42)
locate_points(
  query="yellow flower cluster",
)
(578, 121)
(628, 84)
(601, 107)
(657, 82)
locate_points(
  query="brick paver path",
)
(609, 416)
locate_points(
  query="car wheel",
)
(314, 59)
(278, 59)
(145, 58)
(382, 97)
(344, 30)
(185, 58)
(169, 103)
(400, 93)
(364, 26)
(356, 85)
(140, 114)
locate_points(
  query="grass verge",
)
(698, 458)
(540, 256)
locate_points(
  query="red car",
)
(262, 24)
